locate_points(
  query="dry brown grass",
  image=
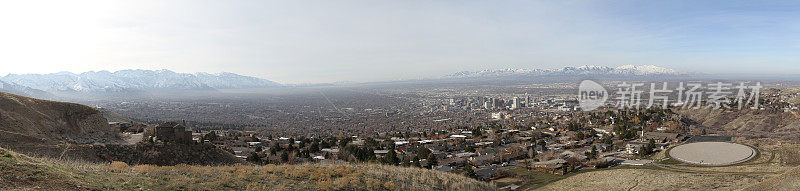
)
(294, 177)
(764, 173)
(647, 179)
(121, 176)
(788, 154)
(787, 181)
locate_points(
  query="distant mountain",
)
(644, 70)
(228, 80)
(24, 91)
(582, 70)
(134, 80)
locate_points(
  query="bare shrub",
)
(117, 166)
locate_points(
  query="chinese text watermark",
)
(715, 95)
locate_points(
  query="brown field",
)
(27, 173)
(787, 181)
(776, 168)
(647, 179)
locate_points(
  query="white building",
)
(499, 115)
(516, 103)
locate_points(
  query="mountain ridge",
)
(641, 70)
(134, 80)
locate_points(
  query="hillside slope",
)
(790, 180)
(153, 154)
(30, 173)
(651, 179)
(78, 132)
(745, 120)
(28, 123)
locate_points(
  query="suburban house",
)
(660, 137)
(172, 132)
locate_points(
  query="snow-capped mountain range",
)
(24, 91)
(133, 80)
(123, 81)
(587, 69)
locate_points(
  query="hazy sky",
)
(297, 41)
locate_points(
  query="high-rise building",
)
(528, 100)
(515, 104)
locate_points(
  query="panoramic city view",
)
(399, 95)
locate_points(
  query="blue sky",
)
(328, 41)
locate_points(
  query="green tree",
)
(390, 158)
(276, 146)
(254, 158)
(423, 152)
(343, 143)
(432, 161)
(573, 126)
(470, 149)
(467, 171)
(415, 162)
(642, 152)
(390, 144)
(371, 143)
(324, 144)
(477, 132)
(211, 136)
(314, 147)
(406, 162)
(651, 146)
(284, 157)
(289, 147)
(304, 153)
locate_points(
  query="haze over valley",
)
(399, 95)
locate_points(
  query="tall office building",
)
(528, 100)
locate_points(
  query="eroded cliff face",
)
(29, 122)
